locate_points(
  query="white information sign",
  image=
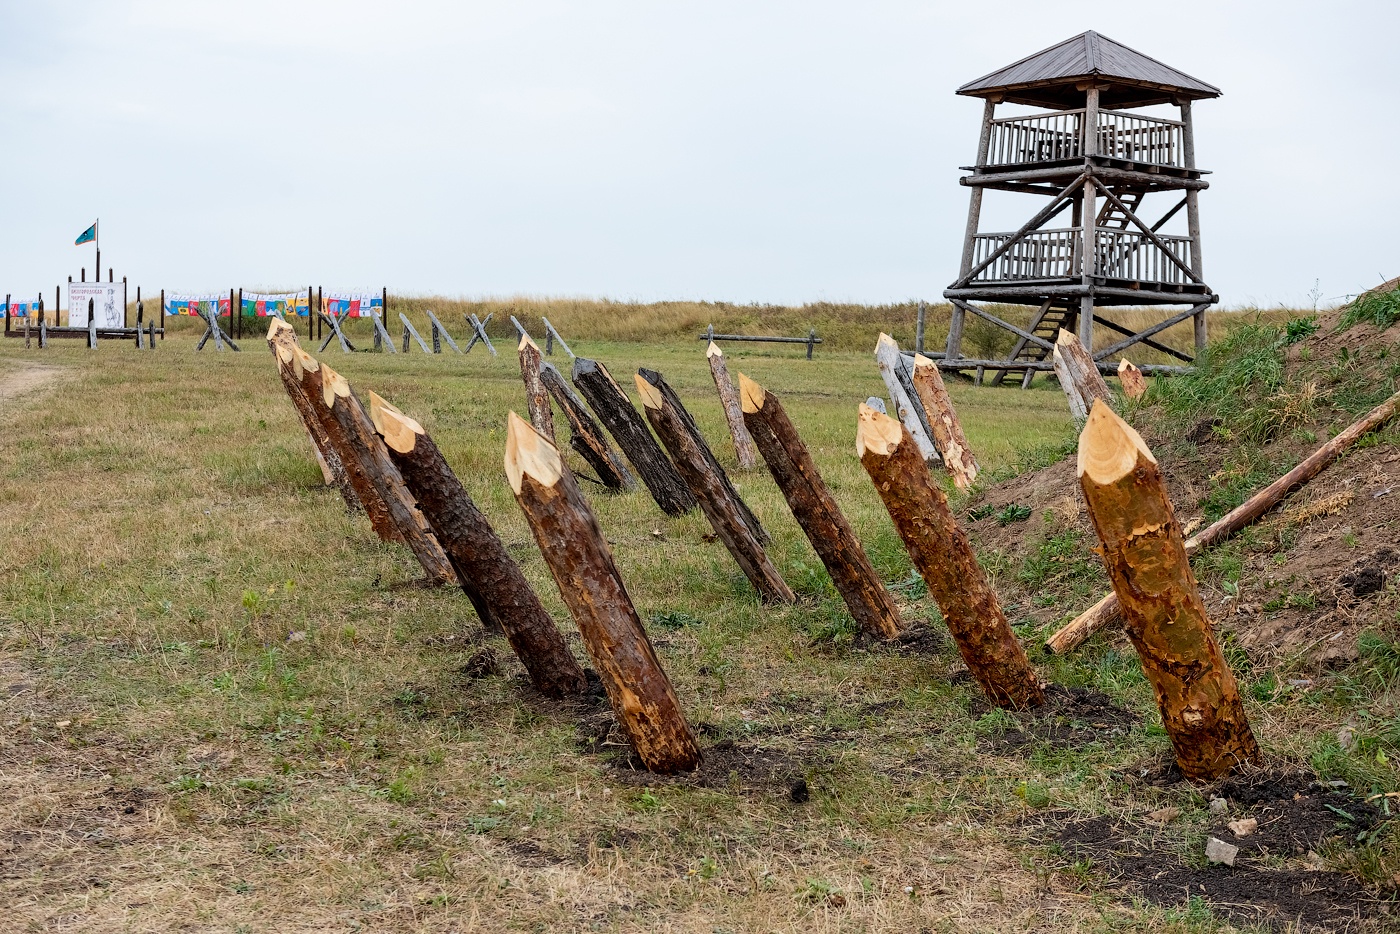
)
(108, 303)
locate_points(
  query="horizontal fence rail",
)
(1055, 254)
(1057, 136)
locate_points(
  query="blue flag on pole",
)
(87, 236)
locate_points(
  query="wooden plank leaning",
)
(943, 422)
(891, 364)
(585, 434)
(733, 412)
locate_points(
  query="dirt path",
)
(20, 378)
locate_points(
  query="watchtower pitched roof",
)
(1126, 77)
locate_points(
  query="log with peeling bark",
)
(536, 395)
(717, 498)
(906, 407)
(573, 545)
(354, 422)
(1134, 383)
(1079, 376)
(687, 422)
(943, 423)
(944, 558)
(630, 432)
(733, 413)
(816, 511)
(585, 434)
(1145, 556)
(281, 338)
(1105, 612)
(488, 574)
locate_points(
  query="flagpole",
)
(97, 240)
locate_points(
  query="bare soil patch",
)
(1070, 717)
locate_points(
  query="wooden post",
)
(490, 577)
(1079, 376)
(816, 511)
(919, 329)
(162, 314)
(1134, 383)
(944, 558)
(586, 435)
(615, 411)
(536, 395)
(733, 414)
(974, 216)
(282, 340)
(716, 497)
(891, 364)
(553, 335)
(1193, 215)
(943, 423)
(578, 556)
(1163, 614)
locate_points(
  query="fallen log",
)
(1079, 376)
(733, 414)
(944, 558)
(578, 556)
(586, 435)
(943, 423)
(630, 432)
(1105, 611)
(816, 511)
(385, 477)
(536, 396)
(489, 576)
(891, 364)
(1134, 383)
(717, 499)
(1146, 560)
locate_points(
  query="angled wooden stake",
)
(629, 430)
(334, 320)
(816, 511)
(944, 558)
(410, 329)
(442, 331)
(1079, 376)
(536, 395)
(718, 499)
(1134, 384)
(381, 336)
(490, 577)
(1163, 615)
(585, 434)
(888, 359)
(943, 422)
(733, 413)
(554, 336)
(281, 338)
(578, 556)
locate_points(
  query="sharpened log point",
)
(526, 342)
(876, 432)
(285, 353)
(1065, 337)
(713, 350)
(400, 432)
(333, 386)
(1109, 447)
(527, 452)
(651, 396)
(921, 360)
(884, 340)
(750, 394)
(276, 327)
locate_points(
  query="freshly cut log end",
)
(1065, 338)
(529, 453)
(1109, 447)
(876, 432)
(278, 327)
(1134, 384)
(713, 350)
(525, 341)
(399, 431)
(651, 396)
(751, 395)
(333, 386)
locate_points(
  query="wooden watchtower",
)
(1083, 151)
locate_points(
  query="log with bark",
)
(944, 558)
(281, 338)
(536, 395)
(1079, 375)
(1134, 383)
(733, 413)
(718, 500)
(943, 422)
(346, 410)
(1145, 557)
(630, 432)
(906, 406)
(585, 434)
(578, 556)
(488, 574)
(1105, 611)
(816, 511)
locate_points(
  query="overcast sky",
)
(753, 151)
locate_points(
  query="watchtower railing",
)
(1052, 137)
(1055, 254)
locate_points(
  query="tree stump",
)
(944, 558)
(1146, 560)
(384, 476)
(733, 413)
(586, 435)
(1134, 383)
(578, 556)
(536, 396)
(717, 499)
(489, 576)
(943, 423)
(816, 511)
(630, 432)
(888, 359)
(1079, 376)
